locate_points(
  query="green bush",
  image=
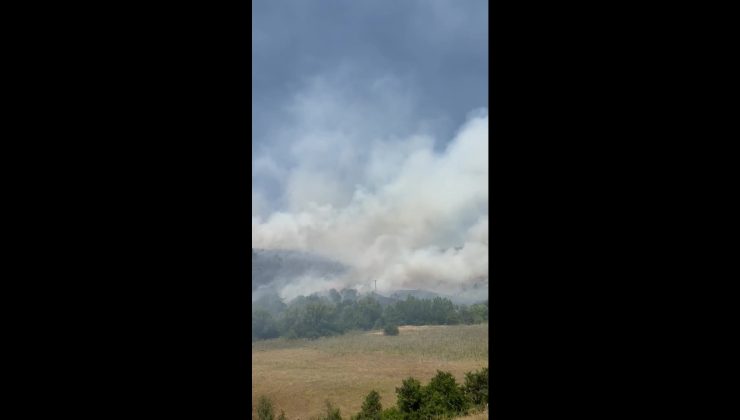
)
(476, 387)
(392, 414)
(443, 397)
(409, 396)
(264, 409)
(332, 413)
(371, 408)
(390, 329)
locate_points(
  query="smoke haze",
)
(414, 219)
(371, 148)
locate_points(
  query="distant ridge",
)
(272, 269)
(271, 265)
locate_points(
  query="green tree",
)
(335, 296)
(443, 397)
(312, 318)
(391, 315)
(480, 313)
(263, 325)
(392, 414)
(371, 408)
(349, 295)
(476, 387)
(390, 329)
(409, 396)
(466, 316)
(369, 311)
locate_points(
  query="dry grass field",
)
(477, 416)
(299, 376)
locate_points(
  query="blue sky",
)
(353, 103)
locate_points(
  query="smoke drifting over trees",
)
(291, 273)
(416, 219)
(370, 149)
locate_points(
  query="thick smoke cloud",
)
(370, 141)
(399, 212)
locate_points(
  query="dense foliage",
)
(390, 329)
(264, 325)
(476, 387)
(371, 408)
(314, 316)
(409, 396)
(441, 398)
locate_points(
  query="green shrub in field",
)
(264, 409)
(443, 397)
(390, 329)
(332, 413)
(409, 396)
(371, 408)
(476, 387)
(392, 414)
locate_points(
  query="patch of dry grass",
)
(483, 415)
(300, 375)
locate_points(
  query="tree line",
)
(441, 398)
(314, 316)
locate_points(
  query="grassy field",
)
(298, 376)
(476, 416)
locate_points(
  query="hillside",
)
(271, 266)
(272, 270)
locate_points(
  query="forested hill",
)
(272, 270)
(284, 265)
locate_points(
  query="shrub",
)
(332, 413)
(443, 397)
(392, 414)
(371, 408)
(476, 387)
(409, 396)
(264, 409)
(390, 329)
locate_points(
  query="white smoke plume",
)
(408, 210)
